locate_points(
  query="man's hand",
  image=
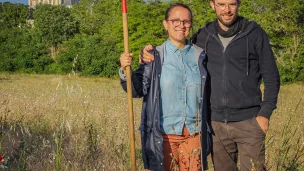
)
(125, 59)
(263, 122)
(145, 56)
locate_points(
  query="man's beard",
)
(227, 24)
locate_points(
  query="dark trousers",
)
(245, 137)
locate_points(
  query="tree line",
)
(87, 39)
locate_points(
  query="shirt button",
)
(184, 89)
(182, 66)
(203, 77)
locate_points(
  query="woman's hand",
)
(125, 59)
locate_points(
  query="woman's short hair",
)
(177, 5)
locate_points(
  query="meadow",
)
(55, 122)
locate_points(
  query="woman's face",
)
(178, 33)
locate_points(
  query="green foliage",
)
(284, 23)
(201, 11)
(22, 51)
(88, 38)
(12, 15)
(91, 55)
(87, 16)
(54, 24)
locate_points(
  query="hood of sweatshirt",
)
(209, 30)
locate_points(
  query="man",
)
(239, 56)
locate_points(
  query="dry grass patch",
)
(51, 122)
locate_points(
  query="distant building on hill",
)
(33, 3)
(69, 3)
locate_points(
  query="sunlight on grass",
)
(51, 122)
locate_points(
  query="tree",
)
(12, 15)
(284, 23)
(88, 16)
(55, 24)
(88, 37)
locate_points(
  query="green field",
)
(52, 122)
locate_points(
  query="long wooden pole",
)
(129, 85)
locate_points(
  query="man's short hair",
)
(237, 0)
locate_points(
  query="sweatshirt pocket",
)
(243, 94)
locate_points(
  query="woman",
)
(174, 111)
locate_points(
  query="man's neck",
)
(225, 28)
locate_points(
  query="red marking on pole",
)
(124, 6)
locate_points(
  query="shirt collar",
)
(184, 50)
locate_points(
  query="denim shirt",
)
(180, 86)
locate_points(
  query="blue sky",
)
(25, 1)
(15, 1)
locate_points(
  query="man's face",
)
(226, 12)
(178, 33)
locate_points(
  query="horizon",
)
(16, 1)
(26, 1)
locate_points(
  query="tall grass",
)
(52, 122)
(285, 140)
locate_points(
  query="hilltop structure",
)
(33, 3)
(69, 3)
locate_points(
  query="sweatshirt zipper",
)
(225, 100)
(224, 78)
(225, 66)
(225, 86)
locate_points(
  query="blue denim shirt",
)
(180, 90)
